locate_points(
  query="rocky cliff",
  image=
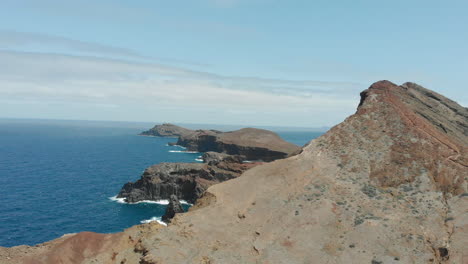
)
(187, 181)
(387, 185)
(174, 207)
(252, 143)
(166, 130)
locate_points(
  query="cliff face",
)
(254, 144)
(387, 185)
(166, 130)
(187, 181)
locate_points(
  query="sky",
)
(244, 62)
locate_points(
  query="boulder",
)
(174, 207)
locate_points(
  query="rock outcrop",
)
(166, 130)
(252, 143)
(226, 153)
(174, 207)
(387, 185)
(187, 181)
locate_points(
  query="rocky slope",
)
(387, 185)
(254, 144)
(166, 130)
(185, 180)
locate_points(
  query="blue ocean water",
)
(56, 177)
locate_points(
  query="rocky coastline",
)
(227, 156)
(387, 185)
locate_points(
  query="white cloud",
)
(30, 77)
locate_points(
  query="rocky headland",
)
(252, 143)
(187, 181)
(227, 156)
(387, 185)
(166, 130)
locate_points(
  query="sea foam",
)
(160, 202)
(153, 219)
(119, 200)
(183, 151)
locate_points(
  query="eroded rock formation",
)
(185, 180)
(174, 207)
(387, 185)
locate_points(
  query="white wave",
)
(199, 160)
(115, 199)
(247, 161)
(185, 202)
(160, 202)
(153, 219)
(122, 200)
(183, 151)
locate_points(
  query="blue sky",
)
(247, 62)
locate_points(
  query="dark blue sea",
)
(57, 177)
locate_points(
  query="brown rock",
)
(252, 143)
(166, 130)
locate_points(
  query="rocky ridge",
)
(252, 143)
(166, 130)
(387, 185)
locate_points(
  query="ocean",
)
(59, 177)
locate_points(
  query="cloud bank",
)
(48, 85)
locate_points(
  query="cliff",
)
(387, 185)
(166, 130)
(187, 181)
(252, 143)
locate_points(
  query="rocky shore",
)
(387, 185)
(187, 181)
(228, 155)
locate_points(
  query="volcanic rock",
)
(174, 207)
(387, 185)
(216, 157)
(185, 180)
(252, 143)
(166, 130)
